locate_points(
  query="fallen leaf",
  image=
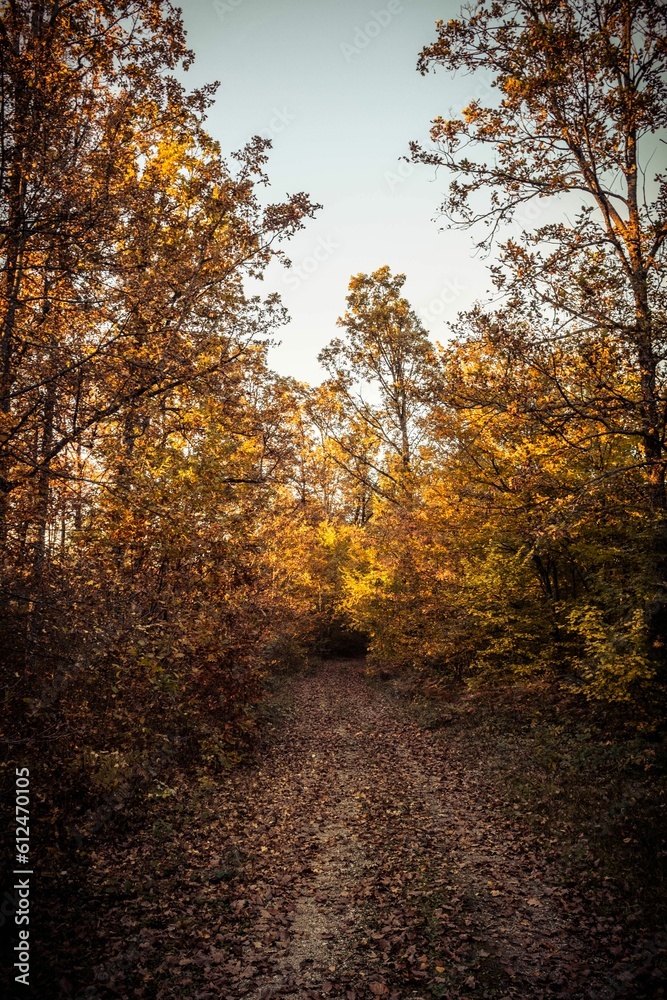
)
(379, 989)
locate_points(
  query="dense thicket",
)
(527, 532)
(145, 447)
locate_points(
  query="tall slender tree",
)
(380, 369)
(582, 103)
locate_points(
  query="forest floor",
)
(371, 848)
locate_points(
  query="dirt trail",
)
(374, 859)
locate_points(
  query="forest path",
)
(375, 859)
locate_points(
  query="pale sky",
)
(334, 83)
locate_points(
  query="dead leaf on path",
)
(379, 989)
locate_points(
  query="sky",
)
(334, 84)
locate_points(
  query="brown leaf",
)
(379, 989)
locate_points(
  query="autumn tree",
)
(582, 100)
(379, 373)
(575, 355)
(125, 241)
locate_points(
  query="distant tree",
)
(379, 371)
